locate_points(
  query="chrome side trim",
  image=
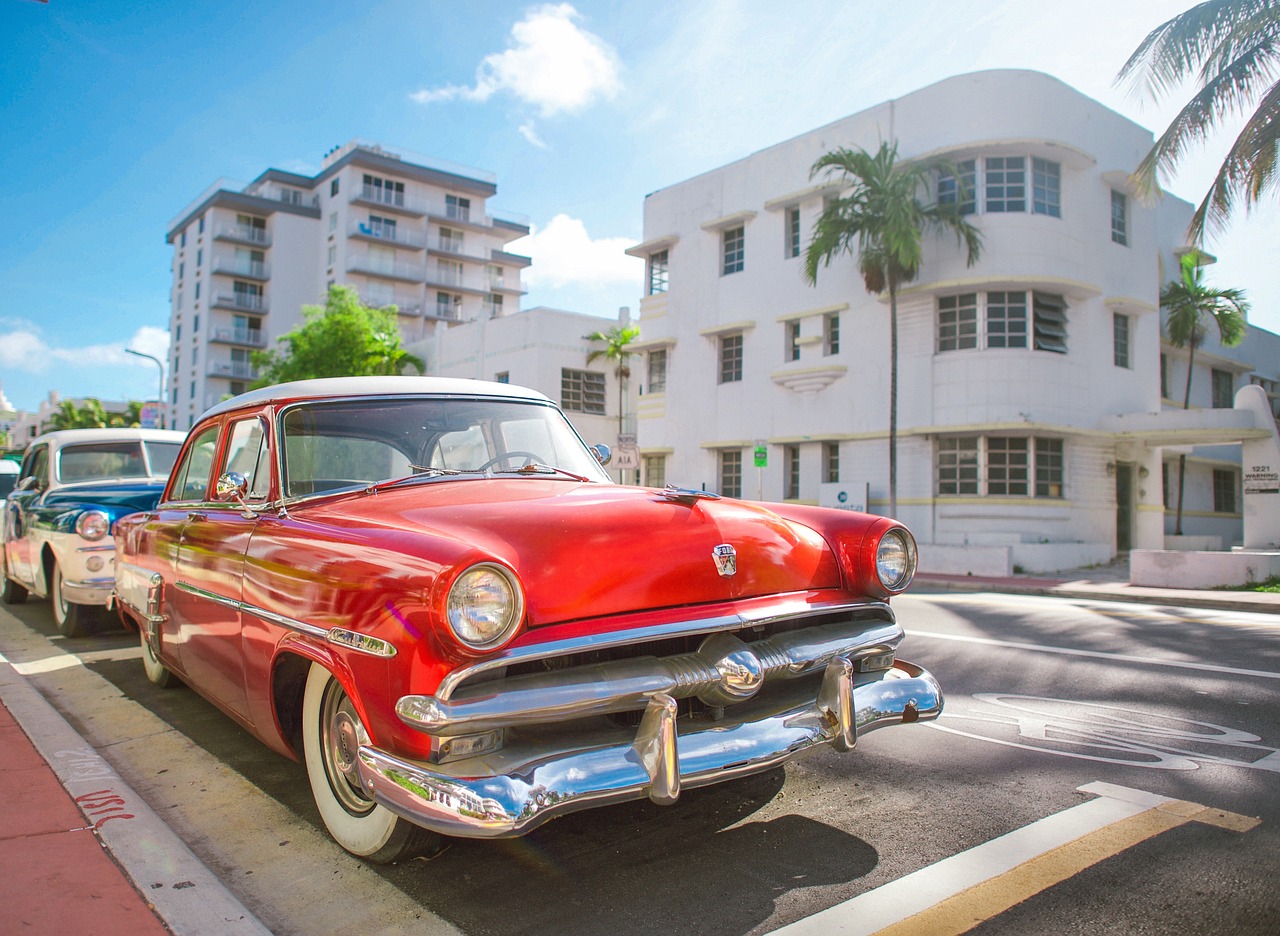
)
(339, 636)
(89, 549)
(507, 796)
(689, 626)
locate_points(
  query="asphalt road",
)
(1044, 696)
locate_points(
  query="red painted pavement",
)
(55, 876)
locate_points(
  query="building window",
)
(457, 208)
(791, 471)
(730, 358)
(731, 473)
(1006, 320)
(199, 258)
(733, 250)
(200, 228)
(958, 322)
(385, 191)
(1164, 376)
(582, 391)
(451, 240)
(792, 247)
(1224, 389)
(961, 187)
(1049, 322)
(658, 272)
(658, 370)
(1046, 187)
(181, 267)
(1120, 340)
(831, 462)
(1049, 467)
(655, 471)
(493, 305)
(1119, 218)
(183, 241)
(1007, 467)
(197, 290)
(1006, 188)
(957, 466)
(178, 304)
(831, 334)
(332, 255)
(502, 377)
(448, 305)
(333, 221)
(333, 188)
(496, 275)
(1224, 491)
(1164, 483)
(793, 341)
(448, 272)
(1000, 466)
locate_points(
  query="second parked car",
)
(74, 484)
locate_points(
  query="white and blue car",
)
(73, 485)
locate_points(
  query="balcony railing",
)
(244, 234)
(405, 305)
(249, 269)
(236, 370)
(388, 234)
(376, 266)
(242, 302)
(241, 336)
(392, 201)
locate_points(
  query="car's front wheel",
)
(331, 736)
(73, 620)
(10, 591)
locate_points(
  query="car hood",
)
(122, 496)
(596, 549)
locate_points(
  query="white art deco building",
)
(404, 230)
(1031, 432)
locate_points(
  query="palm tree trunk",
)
(893, 398)
(1182, 459)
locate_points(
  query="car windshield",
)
(331, 445)
(90, 461)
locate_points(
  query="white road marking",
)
(1019, 851)
(1097, 654)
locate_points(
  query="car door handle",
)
(197, 515)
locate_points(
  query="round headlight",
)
(485, 606)
(896, 559)
(93, 525)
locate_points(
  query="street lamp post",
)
(160, 365)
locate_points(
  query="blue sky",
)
(115, 116)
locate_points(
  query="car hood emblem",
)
(726, 558)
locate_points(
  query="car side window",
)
(191, 477)
(37, 467)
(247, 454)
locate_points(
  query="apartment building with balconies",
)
(1030, 425)
(404, 230)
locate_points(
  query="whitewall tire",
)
(331, 735)
(72, 619)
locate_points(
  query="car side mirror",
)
(602, 453)
(28, 483)
(233, 486)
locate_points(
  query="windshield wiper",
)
(540, 469)
(421, 473)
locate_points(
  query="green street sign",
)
(762, 456)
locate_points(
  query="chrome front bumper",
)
(94, 591)
(514, 791)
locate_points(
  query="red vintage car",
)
(430, 592)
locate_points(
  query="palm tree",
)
(616, 350)
(1230, 46)
(1188, 302)
(881, 219)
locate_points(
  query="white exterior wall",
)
(844, 398)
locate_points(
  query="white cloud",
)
(552, 64)
(564, 254)
(530, 133)
(23, 348)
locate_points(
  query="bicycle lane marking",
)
(958, 893)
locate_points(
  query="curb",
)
(185, 894)
(1217, 601)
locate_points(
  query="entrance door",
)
(1124, 507)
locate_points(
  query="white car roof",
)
(62, 437)
(375, 386)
